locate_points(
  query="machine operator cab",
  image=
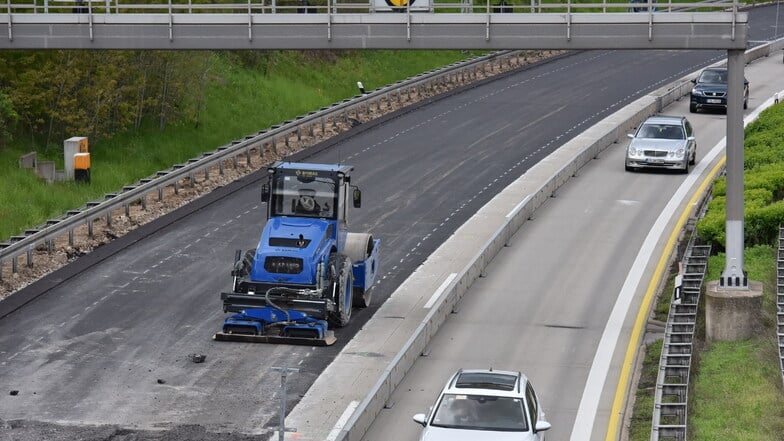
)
(309, 190)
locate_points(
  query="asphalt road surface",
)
(104, 355)
(546, 300)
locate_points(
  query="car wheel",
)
(693, 157)
(692, 108)
(685, 169)
(745, 103)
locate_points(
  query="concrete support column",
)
(733, 276)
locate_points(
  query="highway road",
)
(109, 346)
(547, 299)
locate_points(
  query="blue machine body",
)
(306, 266)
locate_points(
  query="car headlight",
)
(635, 151)
(696, 91)
(678, 154)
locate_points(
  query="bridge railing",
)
(370, 6)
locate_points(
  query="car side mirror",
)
(690, 138)
(630, 135)
(694, 80)
(421, 418)
(541, 426)
(357, 196)
(265, 193)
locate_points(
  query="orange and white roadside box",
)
(82, 167)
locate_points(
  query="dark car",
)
(710, 90)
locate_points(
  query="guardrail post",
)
(127, 210)
(14, 265)
(1, 269)
(247, 157)
(220, 167)
(70, 237)
(176, 187)
(191, 178)
(143, 199)
(109, 218)
(10, 27)
(171, 23)
(160, 194)
(30, 256)
(90, 228)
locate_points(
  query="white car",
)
(487, 405)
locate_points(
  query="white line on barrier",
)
(517, 207)
(352, 406)
(440, 290)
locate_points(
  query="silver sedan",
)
(665, 142)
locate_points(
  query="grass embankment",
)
(736, 392)
(737, 387)
(239, 101)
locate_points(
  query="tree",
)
(8, 118)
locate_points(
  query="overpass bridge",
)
(372, 24)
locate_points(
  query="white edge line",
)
(352, 406)
(589, 403)
(440, 290)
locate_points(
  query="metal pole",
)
(284, 371)
(282, 416)
(733, 276)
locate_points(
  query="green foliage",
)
(733, 406)
(210, 99)
(8, 117)
(730, 406)
(763, 185)
(58, 94)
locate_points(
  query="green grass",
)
(640, 428)
(737, 394)
(736, 391)
(737, 387)
(239, 101)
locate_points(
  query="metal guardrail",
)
(672, 383)
(329, 7)
(45, 234)
(780, 300)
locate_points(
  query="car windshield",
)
(480, 412)
(713, 77)
(661, 131)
